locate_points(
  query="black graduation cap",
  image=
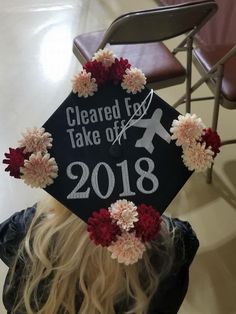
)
(115, 145)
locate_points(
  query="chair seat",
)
(208, 56)
(158, 64)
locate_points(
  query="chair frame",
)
(215, 74)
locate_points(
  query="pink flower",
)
(127, 249)
(187, 129)
(197, 157)
(39, 170)
(84, 84)
(133, 80)
(105, 56)
(125, 213)
(101, 228)
(36, 140)
(15, 160)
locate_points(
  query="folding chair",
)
(215, 59)
(138, 37)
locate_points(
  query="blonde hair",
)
(62, 266)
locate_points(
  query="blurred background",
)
(36, 68)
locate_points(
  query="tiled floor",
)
(36, 65)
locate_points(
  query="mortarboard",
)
(97, 167)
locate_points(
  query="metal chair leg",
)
(189, 74)
(209, 174)
(219, 76)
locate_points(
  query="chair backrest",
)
(221, 28)
(158, 24)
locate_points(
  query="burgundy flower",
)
(101, 228)
(148, 225)
(97, 70)
(118, 68)
(211, 138)
(15, 160)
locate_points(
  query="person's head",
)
(63, 267)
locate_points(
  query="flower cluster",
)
(200, 144)
(31, 160)
(124, 228)
(106, 67)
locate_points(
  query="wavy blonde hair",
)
(62, 267)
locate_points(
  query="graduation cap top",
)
(117, 151)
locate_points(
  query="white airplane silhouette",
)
(153, 126)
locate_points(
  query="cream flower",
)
(197, 157)
(39, 171)
(84, 84)
(125, 213)
(105, 56)
(36, 140)
(127, 249)
(133, 80)
(187, 129)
